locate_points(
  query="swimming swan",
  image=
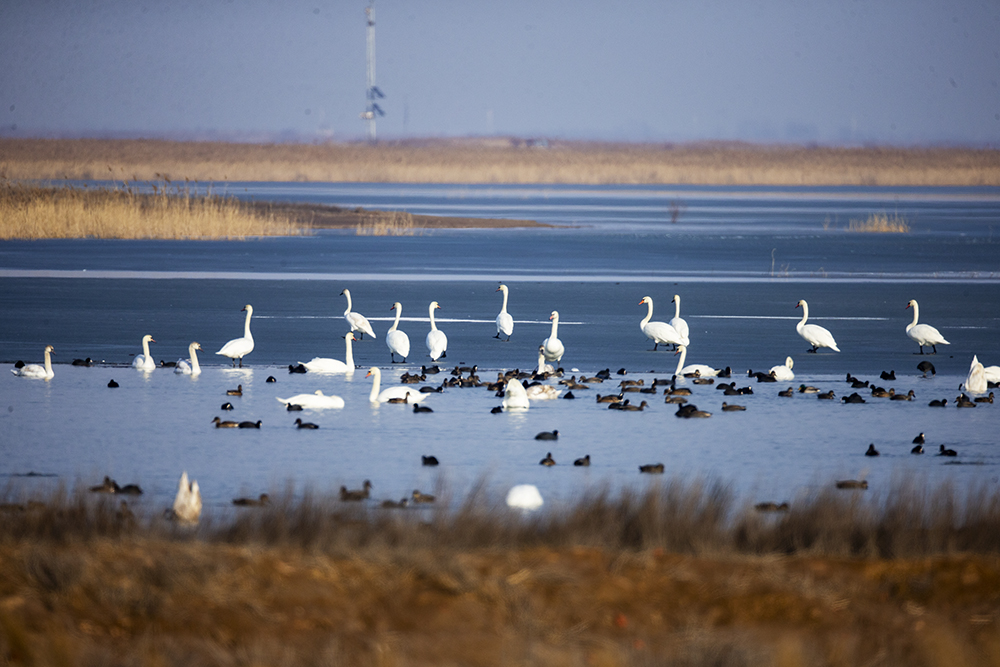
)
(701, 369)
(514, 396)
(660, 333)
(36, 372)
(976, 382)
(524, 497)
(814, 334)
(783, 373)
(144, 362)
(923, 334)
(187, 502)
(553, 348)
(328, 365)
(316, 401)
(505, 323)
(542, 366)
(398, 341)
(238, 348)
(190, 365)
(357, 321)
(436, 341)
(399, 392)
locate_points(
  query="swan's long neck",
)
(145, 349)
(555, 326)
(683, 358)
(541, 362)
(349, 358)
(48, 362)
(916, 314)
(348, 295)
(376, 384)
(430, 311)
(649, 314)
(193, 351)
(246, 325)
(503, 308)
(395, 324)
(805, 313)
(677, 307)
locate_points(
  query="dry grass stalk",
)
(386, 223)
(32, 212)
(880, 223)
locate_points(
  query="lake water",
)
(739, 257)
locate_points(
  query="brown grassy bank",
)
(498, 161)
(655, 578)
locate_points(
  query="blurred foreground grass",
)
(676, 575)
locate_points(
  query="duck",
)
(397, 341)
(908, 396)
(814, 334)
(107, 486)
(610, 399)
(660, 333)
(235, 392)
(926, 367)
(250, 424)
(917, 449)
(653, 468)
(238, 348)
(984, 399)
(553, 348)
(428, 460)
(963, 401)
(548, 460)
(130, 490)
(771, 507)
(436, 340)
(187, 503)
(189, 366)
(888, 375)
(260, 501)
(630, 407)
(923, 334)
(585, 461)
(852, 484)
(34, 371)
(224, 424)
(306, 425)
(938, 403)
(782, 373)
(356, 494)
(505, 323)
(786, 393)
(357, 321)
(375, 396)
(919, 440)
(329, 366)
(726, 407)
(808, 389)
(826, 396)
(422, 497)
(944, 451)
(855, 397)
(394, 504)
(144, 362)
(871, 450)
(548, 435)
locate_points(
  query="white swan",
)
(542, 392)
(660, 333)
(783, 373)
(328, 365)
(411, 395)
(524, 497)
(187, 502)
(923, 334)
(144, 362)
(701, 369)
(678, 322)
(437, 341)
(36, 372)
(238, 348)
(992, 374)
(553, 348)
(189, 366)
(316, 401)
(514, 396)
(357, 321)
(398, 341)
(542, 366)
(976, 383)
(505, 323)
(814, 334)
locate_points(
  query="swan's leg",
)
(241, 362)
(813, 350)
(498, 336)
(933, 347)
(655, 345)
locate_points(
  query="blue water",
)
(740, 258)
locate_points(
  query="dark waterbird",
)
(83, 362)
(250, 424)
(227, 406)
(548, 460)
(871, 450)
(944, 451)
(307, 425)
(888, 375)
(653, 468)
(421, 408)
(926, 367)
(919, 440)
(260, 501)
(548, 435)
(429, 460)
(356, 494)
(585, 461)
(112, 384)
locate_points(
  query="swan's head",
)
(374, 371)
(346, 293)
(349, 336)
(911, 304)
(248, 308)
(802, 303)
(646, 299)
(434, 305)
(50, 349)
(318, 392)
(195, 346)
(397, 306)
(502, 288)
(554, 315)
(148, 339)
(676, 299)
(681, 348)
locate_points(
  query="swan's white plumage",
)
(505, 323)
(189, 366)
(923, 334)
(376, 396)
(398, 341)
(814, 334)
(315, 401)
(238, 348)
(552, 347)
(660, 333)
(357, 321)
(702, 370)
(436, 340)
(975, 382)
(783, 373)
(36, 372)
(144, 362)
(542, 392)
(678, 322)
(328, 365)
(524, 497)
(514, 396)
(187, 502)
(992, 374)
(542, 366)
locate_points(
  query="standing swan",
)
(505, 323)
(437, 342)
(923, 334)
(552, 347)
(190, 365)
(783, 373)
(814, 334)
(660, 333)
(144, 362)
(398, 341)
(327, 365)
(36, 372)
(357, 321)
(678, 322)
(238, 348)
(399, 391)
(701, 369)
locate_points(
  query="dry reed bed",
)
(678, 575)
(31, 212)
(498, 161)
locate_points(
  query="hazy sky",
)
(834, 72)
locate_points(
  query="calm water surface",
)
(739, 257)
